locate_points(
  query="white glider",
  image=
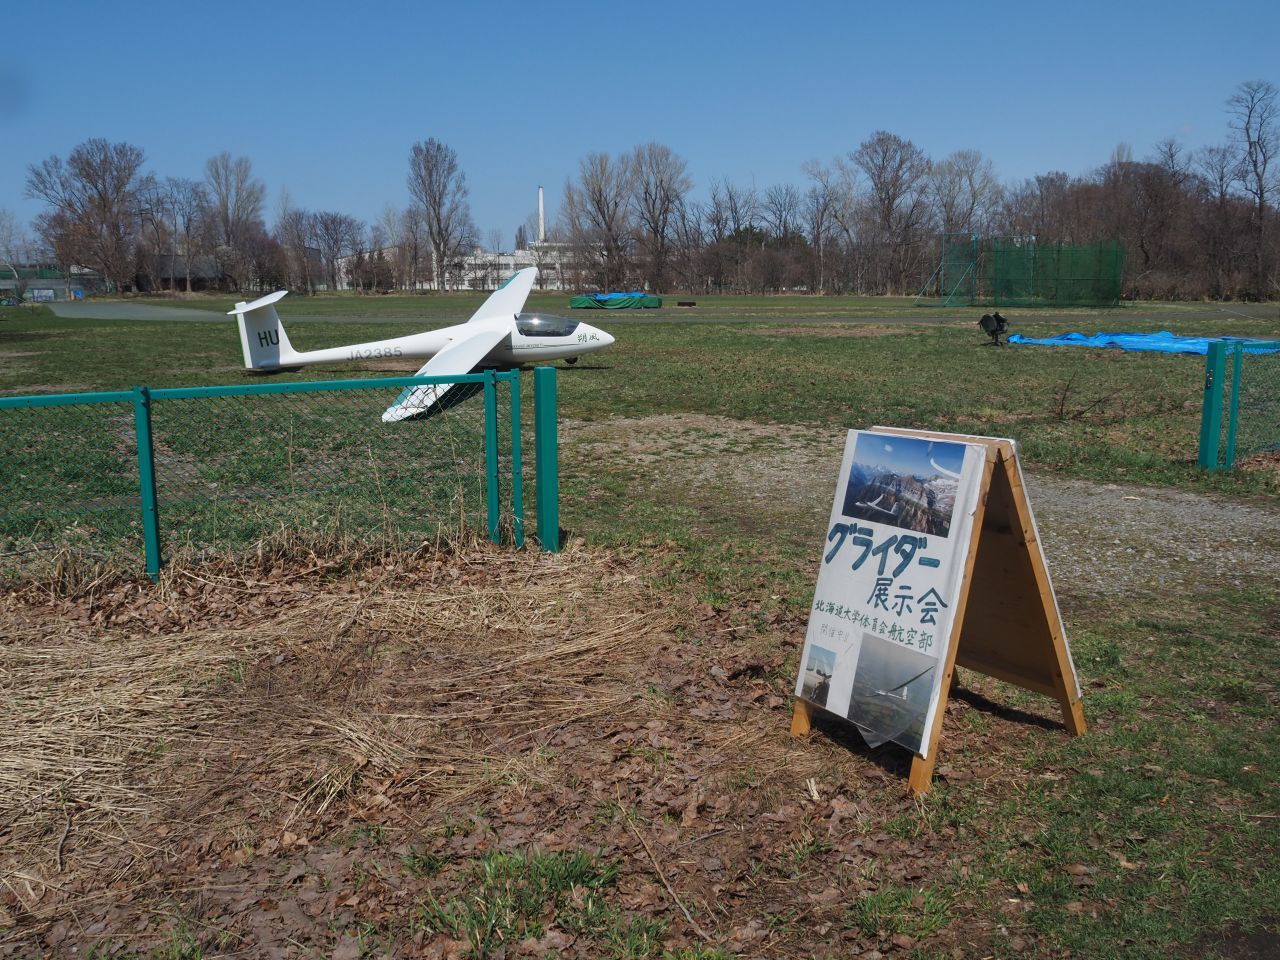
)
(943, 470)
(875, 505)
(497, 335)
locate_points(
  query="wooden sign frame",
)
(1013, 631)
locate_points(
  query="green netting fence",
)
(1019, 271)
(1240, 419)
(135, 476)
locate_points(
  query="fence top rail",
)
(65, 399)
(248, 389)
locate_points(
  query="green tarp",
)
(615, 301)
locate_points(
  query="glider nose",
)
(606, 339)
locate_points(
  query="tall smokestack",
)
(542, 220)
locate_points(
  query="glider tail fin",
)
(262, 338)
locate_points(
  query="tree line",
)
(1195, 224)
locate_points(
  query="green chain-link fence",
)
(136, 475)
(1019, 271)
(1241, 413)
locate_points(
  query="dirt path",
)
(112, 310)
(1100, 538)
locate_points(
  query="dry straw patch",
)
(126, 734)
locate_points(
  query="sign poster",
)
(890, 578)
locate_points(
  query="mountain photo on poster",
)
(906, 482)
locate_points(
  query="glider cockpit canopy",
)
(544, 325)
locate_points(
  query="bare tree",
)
(235, 197)
(392, 232)
(1255, 118)
(819, 208)
(414, 234)
(734, 236)
(597, 216)
(188, 203)
(741, 207)
(659, 184)
(94, 219)
(965, 191)
(337, 235)
(781, 210)
(688, 246)
(439, 187)
(1216, 168)
(156, 256)
(235, 212)
(296, 230)
(895, 170)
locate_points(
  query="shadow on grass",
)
(889, 757)
(896, 760)
(1012, 714)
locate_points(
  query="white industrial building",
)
(487, 269)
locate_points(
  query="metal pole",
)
(546, 457)
(491, 454)
(1215, 366)
(517, 467)
(147, 481)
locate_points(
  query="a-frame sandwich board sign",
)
(932, 561)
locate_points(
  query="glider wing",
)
(459, 357)
(508, 300)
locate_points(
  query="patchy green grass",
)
(1156, 828)
(506, 897)
(1089, 413)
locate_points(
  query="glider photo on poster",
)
(881, 622)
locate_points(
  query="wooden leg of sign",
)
(1061, 672)
(1072, 713)
(801, 719)
(921, 778)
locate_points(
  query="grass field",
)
(1098, 414)
(697, 462)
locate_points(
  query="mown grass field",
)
(1152, 836)
(1098, 414)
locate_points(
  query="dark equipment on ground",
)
(994, 326)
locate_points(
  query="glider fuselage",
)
(518, 348)
(497, 335)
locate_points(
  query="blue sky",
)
(326, 98)
(907, 456)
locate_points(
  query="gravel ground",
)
(1113, 539)
(1100, 539)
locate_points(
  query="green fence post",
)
(546, 455)
(517, 467)
(147, 480)
(1215, 366)
(1233, 405)
(491, 454)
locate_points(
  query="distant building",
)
(170, 271)
(48, 283)
(486, 270)
(479, 270)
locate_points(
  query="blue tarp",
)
(1162, 342)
